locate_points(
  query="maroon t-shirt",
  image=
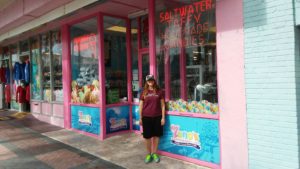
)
(152, 104)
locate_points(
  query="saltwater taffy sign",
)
(188, 25)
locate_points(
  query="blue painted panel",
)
(86, 119)
(135, 118)
(117, 119)
(192, 137)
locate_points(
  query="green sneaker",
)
(148, 159)
(155, 157)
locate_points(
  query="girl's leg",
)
(155, 144)
(148, 145)
(148, 157)
(154, 149)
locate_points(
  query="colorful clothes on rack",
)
(2, 75)
(7, 75)
(21, 95)
(7, 94)
(27, 72)
(28, 93)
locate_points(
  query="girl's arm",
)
(163, 111)
(140, 111)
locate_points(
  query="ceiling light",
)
(120, 29)
(137, 14)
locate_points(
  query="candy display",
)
(203, 106)
(88, 94)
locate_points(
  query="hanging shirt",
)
(27, 72)
(17, 71)
(2, 75)
(22, 67)
(7, 94)
(28, 93)
(7, 75)
(21, 94)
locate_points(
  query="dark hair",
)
(146, 88)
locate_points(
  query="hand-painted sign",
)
(185, 138)
(195, 138)
(117, 119)
(86, 119)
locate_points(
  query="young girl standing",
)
(152, 113)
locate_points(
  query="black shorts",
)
(152, 127)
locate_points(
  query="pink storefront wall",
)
(231, 84)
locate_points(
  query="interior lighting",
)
(120, 29)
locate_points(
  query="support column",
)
(152, 50)
(66, 67)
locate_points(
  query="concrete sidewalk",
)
(126, 150)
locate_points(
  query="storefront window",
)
(15, 61)
(186, 32)
(175, 73)
(35, 69)
(115, 60)
(5, 63)
(46, 64)
(84, 58)
(160, 59)
(24, 47)
(134, 57)
(24, 61)
(57, 65)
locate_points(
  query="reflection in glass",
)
(35, 69)
(134, 57)
(115, 59)
(57, 65)
(145, 31)
(84, 58)
(160, 59)
(24, 46)
(46, 71)
(175, 73)
(145, 67)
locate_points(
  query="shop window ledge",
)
(197, 115)
(118, 104)
(85, 105)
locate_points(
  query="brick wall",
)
(272, 72)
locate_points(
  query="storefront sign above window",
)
(189, 25)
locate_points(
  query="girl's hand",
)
(162, 122)
(141, 122)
